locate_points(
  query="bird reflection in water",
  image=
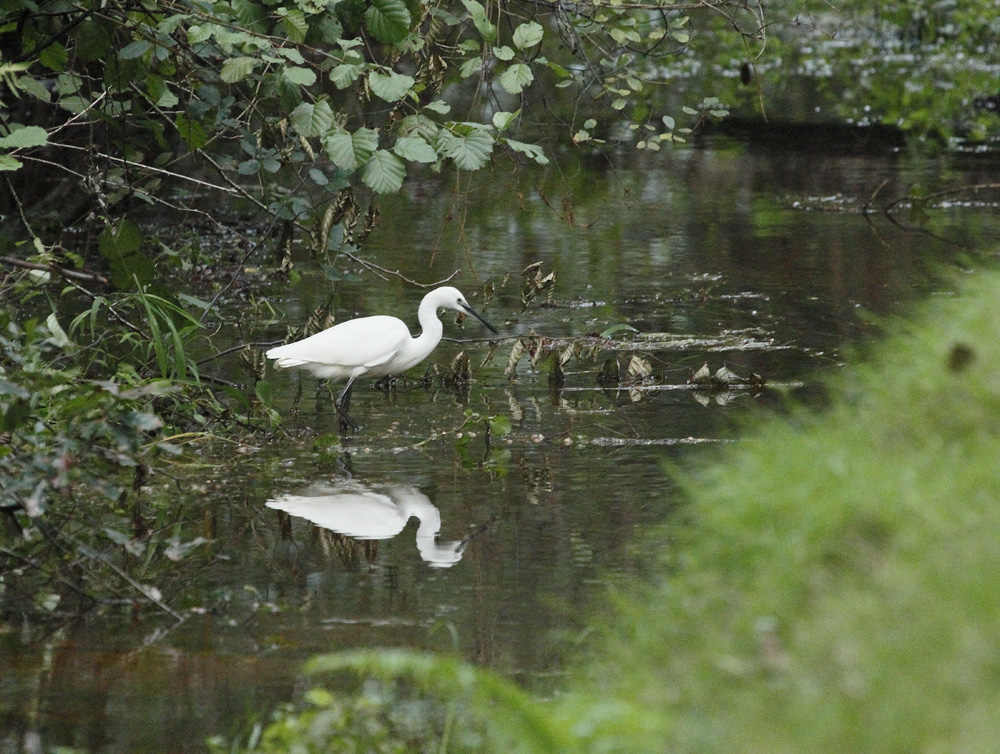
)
(369, 513)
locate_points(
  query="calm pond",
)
(731, 254)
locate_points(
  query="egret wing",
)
(364, 342)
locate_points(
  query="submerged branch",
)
(938, 195)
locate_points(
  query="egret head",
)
(452, 298)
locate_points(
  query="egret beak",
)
(478, 316)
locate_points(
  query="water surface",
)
(753, 258)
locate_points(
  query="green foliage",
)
(163, 339)
(63, 431)
(919, 66)
(359, 84)
(513, 719)
(314, 90)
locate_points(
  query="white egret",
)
(372, 346)
(364, 512)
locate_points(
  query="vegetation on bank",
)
(830, 588)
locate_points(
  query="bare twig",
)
(55, 269)
(384, 272)
(867, 205)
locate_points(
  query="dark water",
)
(754, 258)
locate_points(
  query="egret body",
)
(372, 346)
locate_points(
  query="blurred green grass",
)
(835, 583)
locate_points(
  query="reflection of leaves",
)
(634, 369)
(609, 373)
(556, 377)
(459, 371)
(535, 283)
(516, 352)
(724, 377)
(639, 368)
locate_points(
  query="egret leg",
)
(343, 403)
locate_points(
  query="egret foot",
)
(343, 403)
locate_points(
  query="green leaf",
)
(296, 26)
(291, 54)
(388, 20)
(57, 336)
(528, 35)
(503, 53)
(469, 145)
(419, 125)
(121, 245)
(345, 74)
(622, 327)
(559, 70)
(499, 425)
(351, 151)
(438, 106)
(92, 40)
(23, 138)
(471, 67)
(236, 69)
(35, 88)
(415, 149)
(392, 87)
(300, 76)
(533, 151)
(9, 163)
(515, 78)
(192, 131)
(54, 57)
(480, 20)
(384, 172)
(502, 120)
(16, 414)
(312, 120)
(499, 699)
(136, 49)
